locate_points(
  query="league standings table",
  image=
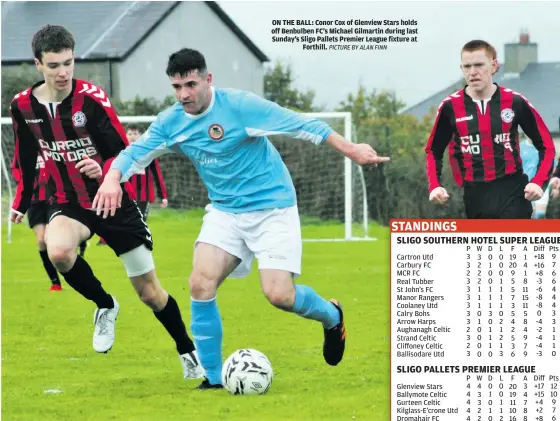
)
(475, 320)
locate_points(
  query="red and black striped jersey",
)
(144, 183)
(483, 138)
(83, 125)
(41, 180)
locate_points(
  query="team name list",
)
(474, 320)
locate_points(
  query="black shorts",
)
(144, 208)
(503, 198)
(123, 232)
(38, 214)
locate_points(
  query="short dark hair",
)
(51, 39)
(185, 61)
(133, 127)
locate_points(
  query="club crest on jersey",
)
(79, 119)
(507, 115)
(216, 132)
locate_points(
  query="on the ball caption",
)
(349, 34)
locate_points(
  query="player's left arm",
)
(16, 171)
(41, 178)
(266, 118)
(138, 155)
(131, 160)
(25, 161)
(534, 127)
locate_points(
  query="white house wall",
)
(192, 25)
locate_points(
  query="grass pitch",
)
(50, 371)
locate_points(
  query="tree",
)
(142, 106)
(365, 106)
(397, 189)
(278, 81)
(15, 80)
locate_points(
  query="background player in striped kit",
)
(144, 183)
(480, 125)
(37, 216)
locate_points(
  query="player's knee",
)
(62, 257)
(42, 245)
(202, 287)
(279, 295)
(151, 295)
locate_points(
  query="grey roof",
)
(538, 82)
(102, 29)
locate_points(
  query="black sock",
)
(83, 248)
(170, 318)
(49, 267)
(82, 279)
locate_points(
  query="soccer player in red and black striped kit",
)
(37, 216)
(480, 125)
(73, 125)
(144, 183)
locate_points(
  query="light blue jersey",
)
(529, 158)
(227, 144)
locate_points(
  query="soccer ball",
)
(247, 372)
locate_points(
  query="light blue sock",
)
(206, 328)
(310, 305)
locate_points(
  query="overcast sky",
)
(413, 71)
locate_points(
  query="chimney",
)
(524, 38)
(519, 55)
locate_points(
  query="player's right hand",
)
(364, 154)
(90, 168)
(555, 187)
(108, 197)
(439, 196)
(16, 217)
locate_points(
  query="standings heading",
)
(455, 239)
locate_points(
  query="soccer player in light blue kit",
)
(530, 159)
(253, 210)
